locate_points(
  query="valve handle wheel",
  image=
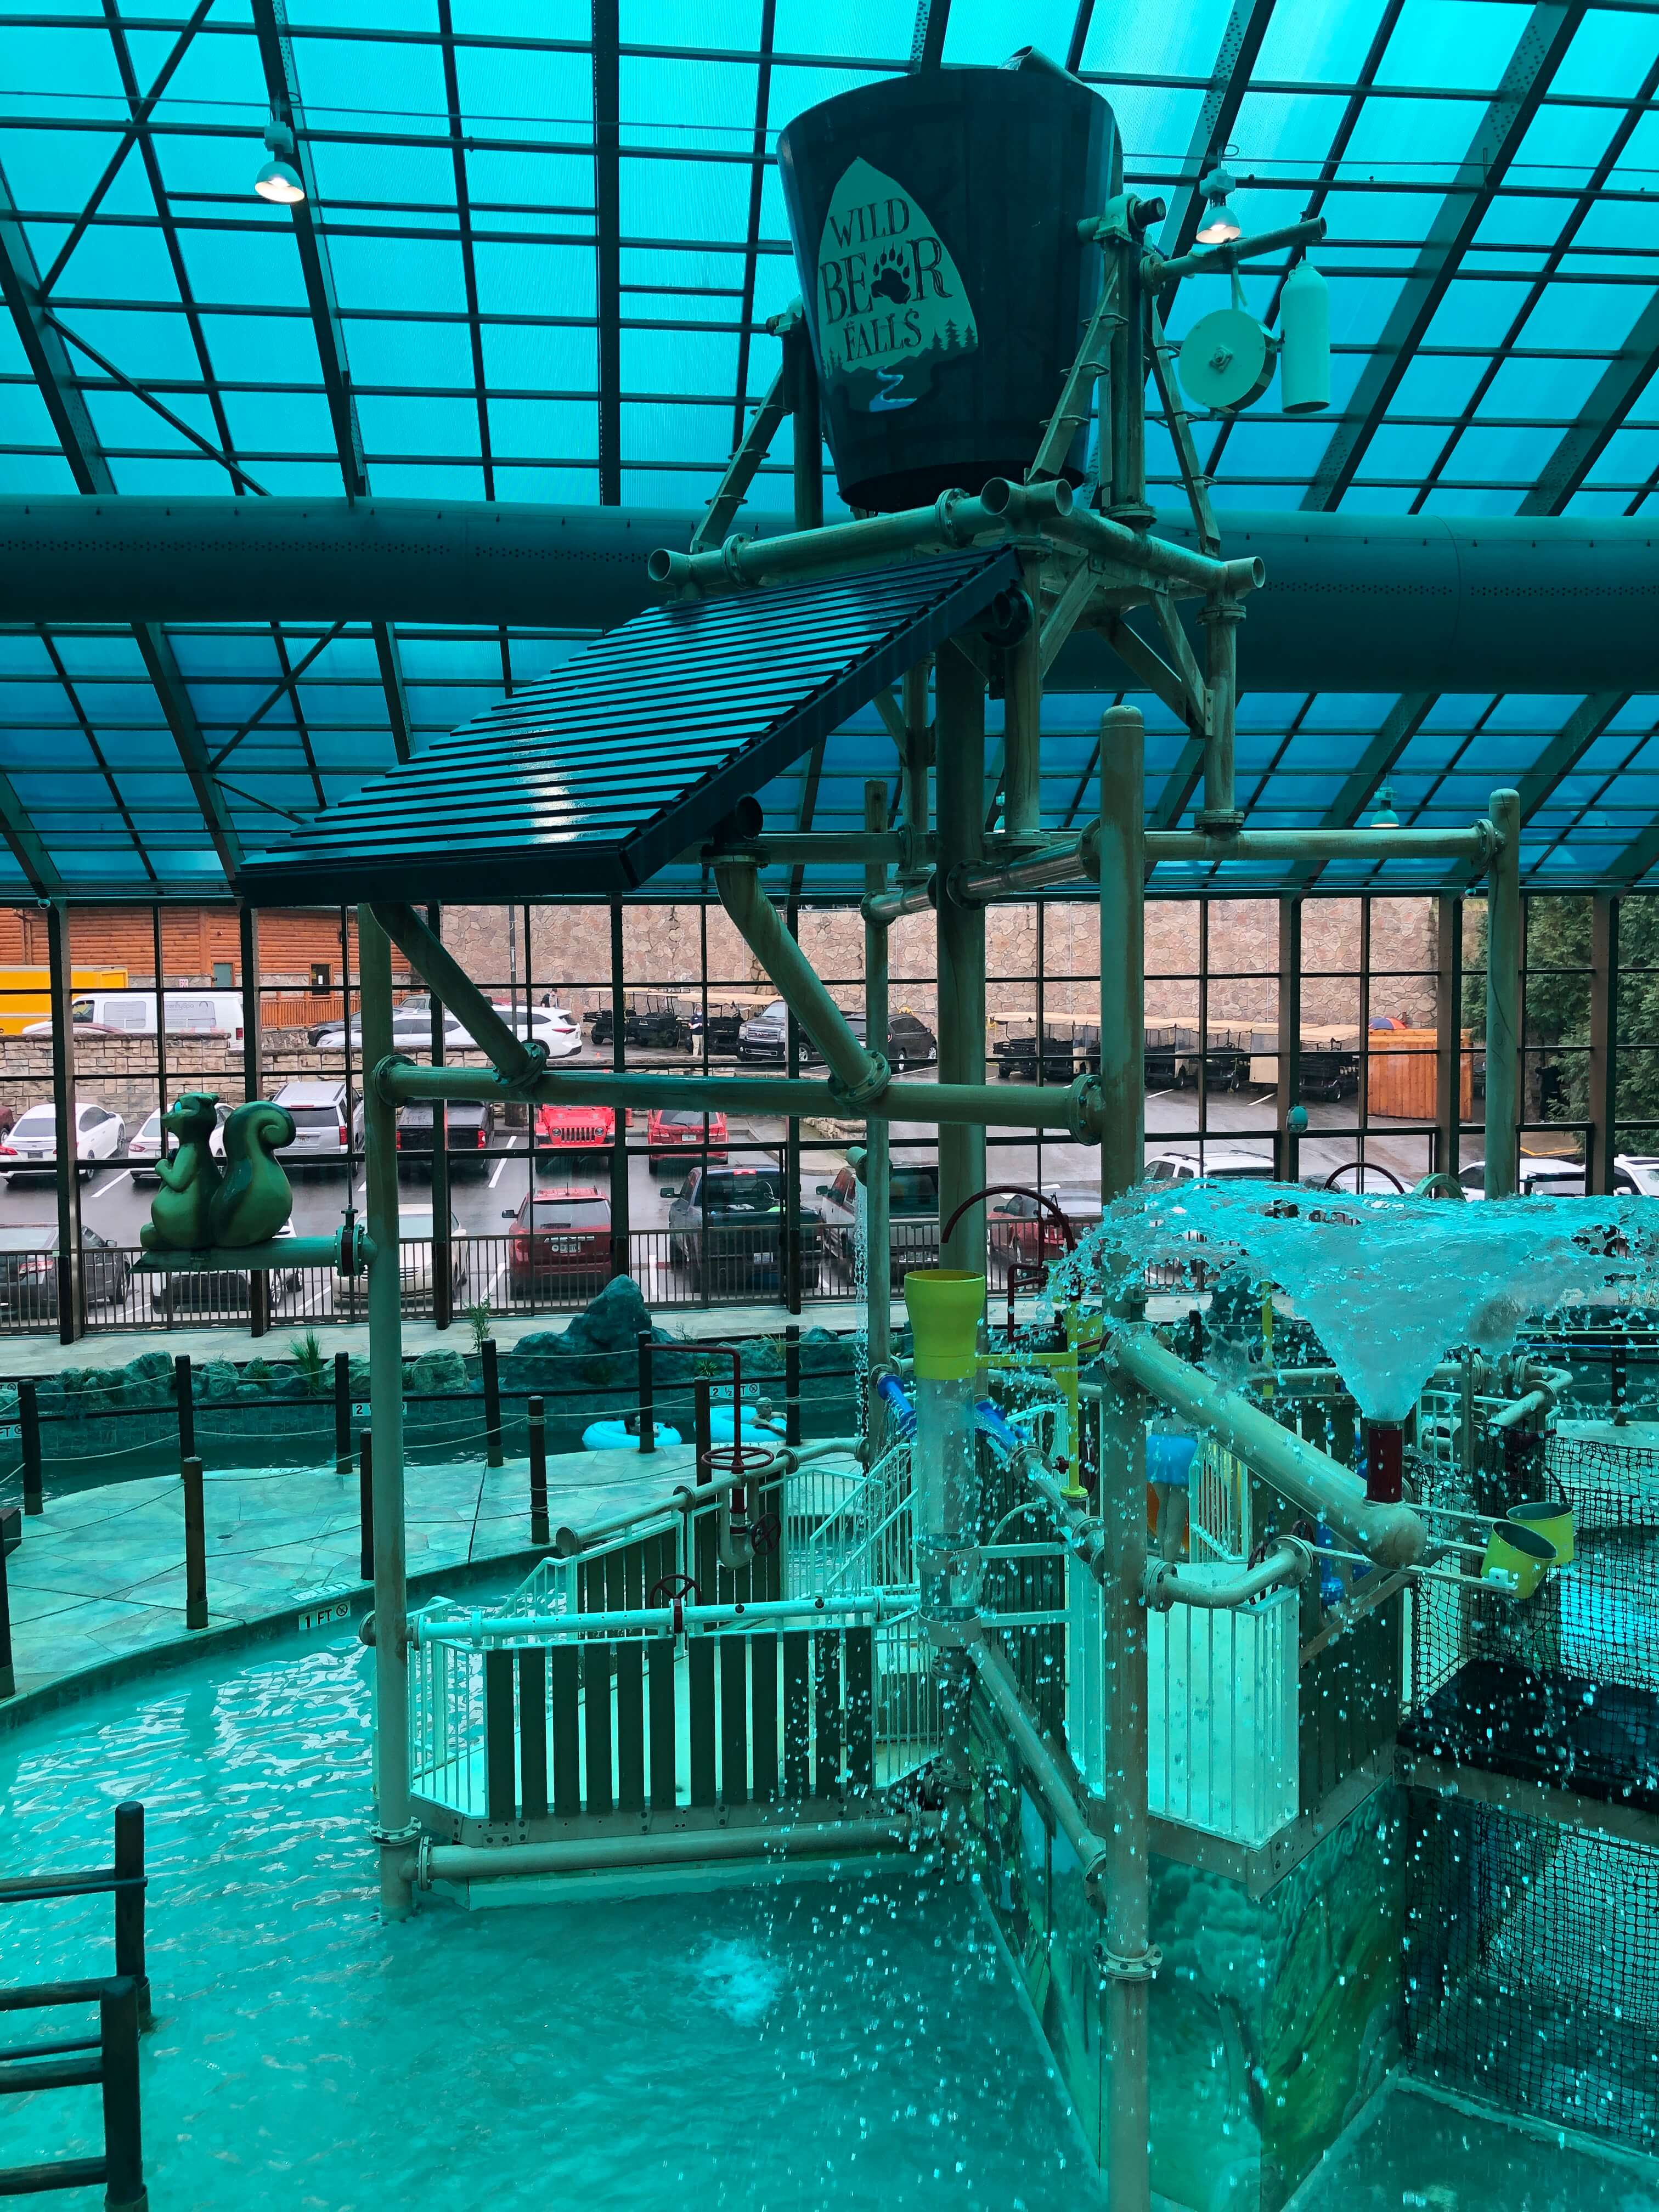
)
(765, 1534)
(676, 1589)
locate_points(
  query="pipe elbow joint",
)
(1085, 1109)
(1088, 851)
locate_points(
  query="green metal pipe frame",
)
(1393, 1536)
(855, 1069)
(959, 777)
(779, 1839)
(877, 1192)
(1052, 1786)
(478, 1631)
(394, 1825)
(1504, 930)
(1118, 845)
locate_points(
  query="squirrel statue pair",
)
(201, 1205)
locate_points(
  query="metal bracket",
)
(410, 1833)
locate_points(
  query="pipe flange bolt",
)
(1139, 1967)
(523, 1085)
(410, 1833)
(1086, 1105)
(864, 1093)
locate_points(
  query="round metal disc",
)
(1226, 359)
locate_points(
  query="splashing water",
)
(738, 1979)
(861, 1299)
(1390, 1283)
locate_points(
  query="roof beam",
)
(1241, 43)
(180, 715)
(1497, 137)
(607, 226)
(1400, 725)
(1618, 388)
(928, 40)
(282, 88)
(21, 835)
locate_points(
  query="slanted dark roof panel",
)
(591, 781)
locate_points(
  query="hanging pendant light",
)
(1220, 224)
(279, 181)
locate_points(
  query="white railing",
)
(858, 1538)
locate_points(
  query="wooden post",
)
(492, 1389)
(130, 1901)
(28, 1434)
(184, 1390)
(539, 1533)
(196, 1605)
(366, 1507)
(124, 2152)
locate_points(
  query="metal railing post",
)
(184, 1391)
(792, 1383)
(1504, 932)
(492, 1396)
(123, 2150)
(8, 1675)
(342, 1413)
(539, 1533)
(648, 1403)
(196, 1604)
(28, 1436)
(366, 1506)
(130, 1900)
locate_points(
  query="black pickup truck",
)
(726, 1229)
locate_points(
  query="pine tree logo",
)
(891, 310)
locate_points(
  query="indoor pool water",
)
(783, 2049)
(813, 2048)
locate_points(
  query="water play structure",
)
(1149, 1702)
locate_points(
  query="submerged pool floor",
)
(810, 2048)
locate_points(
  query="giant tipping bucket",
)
(934, 219)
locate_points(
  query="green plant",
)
(307, 1352)
(478, 1316)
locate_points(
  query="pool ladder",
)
(108, 2060)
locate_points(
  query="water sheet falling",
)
(1389, 1283)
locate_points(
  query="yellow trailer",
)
(26, 993)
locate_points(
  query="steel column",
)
(1449, 1037)
(621, 1249)
(71, 1288)
(1122, 1655)
(1287, 1143)
(1123, 950)
(1505, 932)
(443, 1265)
(1022, 719)
(385, 1413)
(959, 742)
(1602, 1141)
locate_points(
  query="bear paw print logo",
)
(889, 281)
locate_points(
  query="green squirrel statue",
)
(254, 1201)
(180, 1219)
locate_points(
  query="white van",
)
(190, 1013)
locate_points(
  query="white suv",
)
(325, 1118)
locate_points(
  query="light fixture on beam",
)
(1220, 224)
(1385, 817)
(279, 181)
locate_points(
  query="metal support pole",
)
(877, 1164)
(443, 1267)
(806, 430)
(620, 1247)
(385, 1403)
(959, 728)
(342, 1413)
(184, 1392)
(1128, 1962)
(648, 1396)
(539, 1528)
(1287, 1143)
(1220, 617)
(916, 812)
(1123, 950)
(1022, 719)
(366, 1506)
(791, 1254)
(1602, 1141)
(488, 1360)
(71, 1289)
(1448, 1034)
(792, 1383)
(248, 928)
(196, 1605)
(130, 1900)
(1504, 952)
(123, 2150)
(8, 1672)
(28, 1438)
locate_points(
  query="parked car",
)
(1542, 1177)
(912, 1215)
(1330, 1072)
(910, 1043)
(726, 1228)
(1643, 1169)
(132, 1013)
(415, 1255)
(31, 1145)
(469, 1131)
(674, 1130)
(575, 1128)
(1222, 1163)
(1019, 1231)
(145, 1149)
(29, 1270)
(662, 1019)
(767, 1036)
(218, 1290)
(560, 1240)
(325, 1116)
(411, 1031)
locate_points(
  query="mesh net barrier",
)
(1532, 1967)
